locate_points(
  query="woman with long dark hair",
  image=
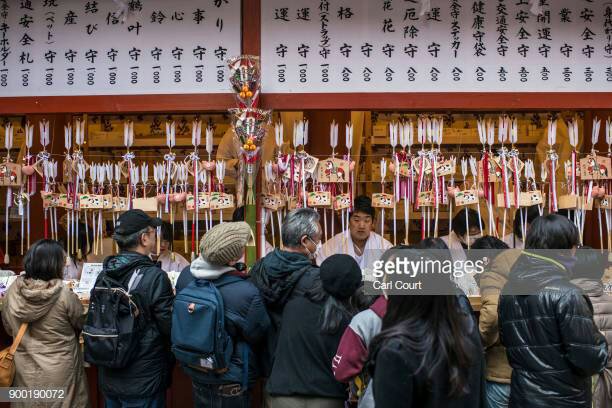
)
(312, 325)
(428, 353)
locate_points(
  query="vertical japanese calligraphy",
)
(76, 47)
(455, 46)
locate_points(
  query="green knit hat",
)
(225, 242)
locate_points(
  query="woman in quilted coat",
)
(49, 355)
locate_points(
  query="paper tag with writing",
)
(595, 168)
(319, 199)
(221, 201)
(466, 197)
(425, 199)
(382, 200)
(10, 175)
(332, 170)
(342, 201)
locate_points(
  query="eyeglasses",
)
(312, 240)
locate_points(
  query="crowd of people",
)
(299, 325)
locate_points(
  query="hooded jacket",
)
(49, 354)
(602, 314)
(550, 337)
(280, 276)
(491, 283)
(150, 370)
(246, 318)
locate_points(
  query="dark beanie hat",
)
(341, 276)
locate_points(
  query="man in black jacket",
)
(546, 324)
(282, 274)
(145, 379)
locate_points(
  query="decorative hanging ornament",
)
(244, 77)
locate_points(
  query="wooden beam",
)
(436, 101)
(116, 103)
(251, 27)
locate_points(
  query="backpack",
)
(114, 323)
(199, 337)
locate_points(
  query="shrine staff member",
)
(515, 238)
(361, 243)
(466, 229)
(170, 261)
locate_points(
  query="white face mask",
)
(472, 238)
(317, 251)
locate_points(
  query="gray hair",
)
(131, 241)
(299, 222)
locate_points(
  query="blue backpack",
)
(200, 341)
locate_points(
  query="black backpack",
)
(114, 323)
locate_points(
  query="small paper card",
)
(91, 201)
(10, 175)
(605, 202)
(107, 201)
(382, 200)
(332, 170)
(5, 283)
(319, 199)
(145, 204)
(221, 201)
(342, 201)
(595, 168)
(65, 201)
(88, 277)
(120, 204)
(270, 201)
(49, 199)
(529, 198)
(425, 199)
(203, 201)
(466, 197)
(446, 168)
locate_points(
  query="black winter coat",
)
(303, 358)
(280, 276)
(551, 340)
(150, 370)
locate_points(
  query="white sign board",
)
(77, 47)
(458, 46)
(88, 277)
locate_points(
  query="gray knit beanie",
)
(225, 242)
